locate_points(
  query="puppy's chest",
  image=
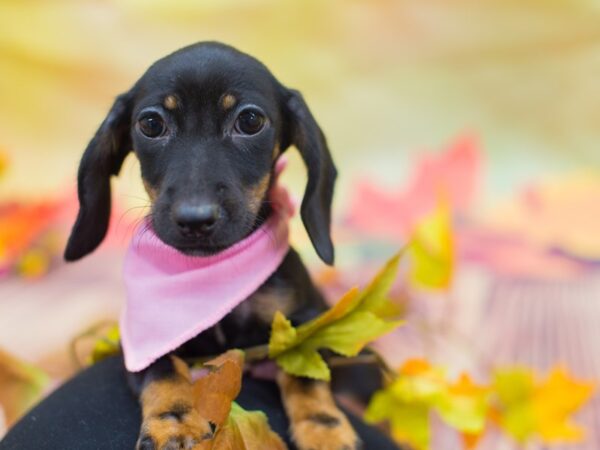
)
(261, 306)
(250, 322)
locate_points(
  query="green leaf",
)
(283, 335)
(409, 422)
(247, 430)
(375, 297)
(355, 320)
(304, 362)
(350, 334)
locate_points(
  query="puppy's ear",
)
(303, 131)
(102, 158)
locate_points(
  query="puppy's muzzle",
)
(196, 219)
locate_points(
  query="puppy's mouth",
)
(201, 249)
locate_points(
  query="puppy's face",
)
(207, 124)
(206, 136)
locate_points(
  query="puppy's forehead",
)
(209, 72)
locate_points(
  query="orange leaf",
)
(215, 391)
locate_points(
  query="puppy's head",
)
(207, 124)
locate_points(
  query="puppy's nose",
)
(196, 219)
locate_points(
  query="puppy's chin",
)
(201, 250)
(208, 246)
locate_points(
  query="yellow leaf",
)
(528, 408)
(345, 328)
(554, 400)
(33, 264)
(432, 249)
(283, 335)
(513, 389)
(304, 362)
(21, 385)
(107, 345)
(374, 297)
(422, 389)
(247, 430)
(464, 406)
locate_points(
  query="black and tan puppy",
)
(207, 124)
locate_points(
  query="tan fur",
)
(266, 302)
(276, 151)
(228, 101)
(256, 193)
(316, 422)
(151, 191)
(170, 102)
(160, 399)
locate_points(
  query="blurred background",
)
(472, 126)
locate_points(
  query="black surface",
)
(96, 410)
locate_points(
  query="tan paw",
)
(329, 430)
(179, 428)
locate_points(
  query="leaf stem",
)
(261, 352)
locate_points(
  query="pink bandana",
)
(172, 297)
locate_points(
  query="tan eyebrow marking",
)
(256, 193)
(276, 151)
(228, 101)
(151, 191)
(170, 102)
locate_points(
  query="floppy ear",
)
(102, 158)
(304, 132)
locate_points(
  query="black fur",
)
(201, 158)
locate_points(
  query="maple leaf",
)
(527, 408)
(247, 430)
(554, 401)
(432, 249)
(358, 318)
(217, 389)
(406, 403)
(422, 389)
(236, 428)
(464, 406)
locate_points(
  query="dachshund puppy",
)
(207, 124)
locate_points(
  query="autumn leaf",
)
(554, 401)
(464, 406)
(247, 430)
(513, 389)
(432, 249)
(107, 345)
(407, 403)
(527, 408)
(215, 391)
(358, 318)
(21, 385)
(236, 428)
(421, 390)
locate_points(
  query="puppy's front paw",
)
(180, 427)
(325, 430)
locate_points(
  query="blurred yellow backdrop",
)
(385, 78)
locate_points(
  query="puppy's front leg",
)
(315, 420)
(169, 419)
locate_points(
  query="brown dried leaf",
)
(215, 391)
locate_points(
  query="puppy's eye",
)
(152, 125)
(250, 121)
